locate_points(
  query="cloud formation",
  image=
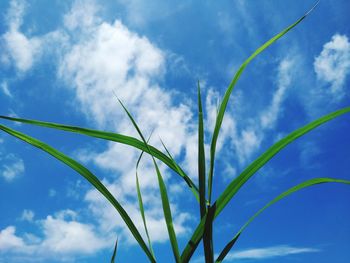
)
(268, 253)
(11, 167)
(332, 65)
(61, 235)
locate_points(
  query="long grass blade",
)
(115, 137)
(114, 251)
(290, 191)
(238, 182)
(179, 170)
(221, 113)
(141, 207)
(201, 157)
(208, 229)
(163, 194)
(83, 171)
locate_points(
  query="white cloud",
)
(12, 167)
(106, 59)
(270, 115)
(9, 241)
(27, 215)
(263, 253)
(64, 235)
(19, 48)
(333, 64)
(268, 252)
(139, 13)
(82, 15)
(5, 89)
(22, 50)
(14, 15)
(61, 235)
(249, 139)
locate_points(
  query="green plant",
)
(203, 192)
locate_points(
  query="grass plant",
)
(202, 191)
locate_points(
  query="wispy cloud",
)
(5, 89)
(268, 252)
(27, 215)
(12, 167)
(264, 253)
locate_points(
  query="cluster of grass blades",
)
(203, 192)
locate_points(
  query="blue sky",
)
(65, 61)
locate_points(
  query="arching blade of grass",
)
(172, 159)
(238, 182)
(223, 105)
(294, 189)
(115, 137)
(89, 177)
(114, 251)
(139, 197)
(163, 194)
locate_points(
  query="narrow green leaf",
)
(208, 235)
(114, 251)
(141, 207)
(238, 182)
(220, 115)
(88, 176)
(179, 169)
(208, 229)
(163, 194)
(294, 189)
(201, 157)
(128, 140)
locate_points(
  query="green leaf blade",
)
(238, 182)
(115, 137)
(90, 177)
(290, 191)
(223, 105)
(114, 255)
(208, 229)
(141, 206)
(163, 194)
(201, 157)
(194, 191)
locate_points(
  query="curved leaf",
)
(82, 170)
(114, 251)
(294, 189)
(239, 181)
(115, 137)
(163, 194)
(179, 169)
(223, 105)
(141, 207)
